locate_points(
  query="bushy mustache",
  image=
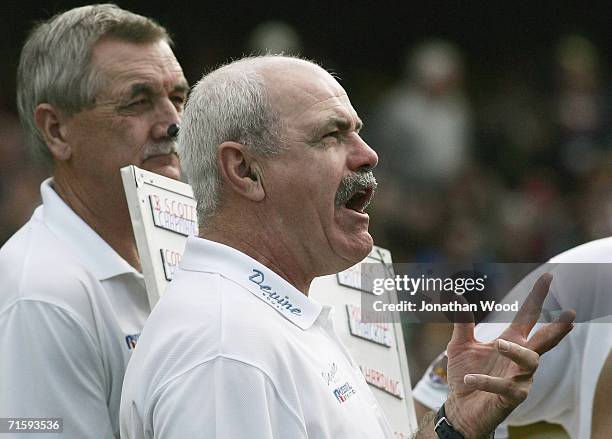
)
(161, 148)
(354, 183)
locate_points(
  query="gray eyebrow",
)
(343, 123)
(149, 90)
(142, 88)
(182, 87)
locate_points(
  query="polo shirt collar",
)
(93, 252)
(209, 256)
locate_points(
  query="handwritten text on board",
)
(379, 332)
(173, 214)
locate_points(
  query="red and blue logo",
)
(344, 392)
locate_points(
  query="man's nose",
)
(168, 120)
(362, 156)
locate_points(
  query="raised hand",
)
(488, 380)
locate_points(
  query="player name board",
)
(380, 380)
(170, 260)
(380, 333)
(163, 214)
(172, 214)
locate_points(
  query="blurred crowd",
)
(517, 176)
(504, 169)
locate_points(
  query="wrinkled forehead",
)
(305, 94)
(122, 65)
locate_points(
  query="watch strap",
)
(443, 428)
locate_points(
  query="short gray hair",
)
(55, 62)
(230, 103)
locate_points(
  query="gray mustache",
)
(351, 184)
(161, 148)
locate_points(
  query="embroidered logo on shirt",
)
(280, 302)
(330, 376)
(344, 392)
(131, 340)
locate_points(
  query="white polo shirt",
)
(564, 384)
(71, 310)
(233, 351)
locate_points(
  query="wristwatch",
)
(445, 430)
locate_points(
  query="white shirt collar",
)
(93, 252)
(208, 256)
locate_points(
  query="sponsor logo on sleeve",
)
(131, 340)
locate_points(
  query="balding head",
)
(233, 103)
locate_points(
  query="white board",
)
(163, 214)
(377, 348)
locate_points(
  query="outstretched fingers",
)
(514, 391)
(462, 333)
(463, 328)
(529, 313)
(516, 388)
(524, 357)
(551, 334)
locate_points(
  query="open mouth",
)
(360, 200)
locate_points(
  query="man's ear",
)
(241, 172)
(50, 123)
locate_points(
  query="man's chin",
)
(356, 251)
(167, 165)
(358, 242)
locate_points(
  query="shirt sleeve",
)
(224, 399)
(51, 368)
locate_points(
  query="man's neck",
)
(267, 250)
(109, 218)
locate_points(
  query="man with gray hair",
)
(98, 89)
(236, 348)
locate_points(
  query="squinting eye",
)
(137, 103)
(334, 134)
(178, 100)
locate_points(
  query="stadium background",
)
(518, 92)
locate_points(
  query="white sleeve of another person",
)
(50, 368)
